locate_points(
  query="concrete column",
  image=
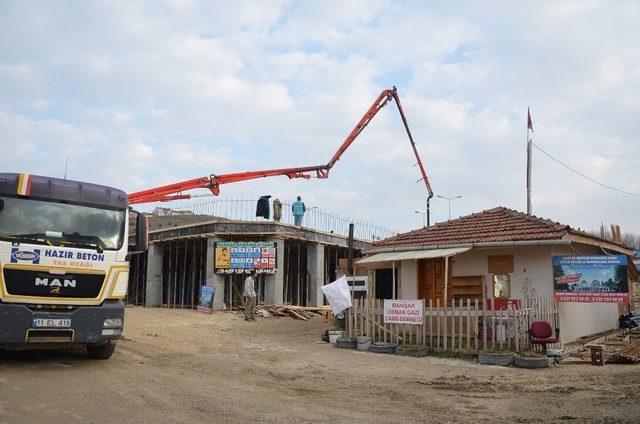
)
(213, 279)
(315, 265)
(274, 283)
(154, 275)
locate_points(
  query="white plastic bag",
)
(338, 295)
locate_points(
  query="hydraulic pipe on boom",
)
(213, 182)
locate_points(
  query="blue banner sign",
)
(591, 278)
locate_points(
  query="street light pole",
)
(449, 199)
(423, 217)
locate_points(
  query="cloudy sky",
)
(138, 94)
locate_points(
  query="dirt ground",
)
(187, 367)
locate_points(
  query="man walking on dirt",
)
(298, 210)
(250, 297)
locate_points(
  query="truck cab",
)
(64, 268)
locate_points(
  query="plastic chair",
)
(541, 333)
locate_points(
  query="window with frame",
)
(501, 286)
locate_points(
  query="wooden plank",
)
(376, 316)
(461, 313)
(424, 327)
(354, 324)
(476, 324)
(453, 324)
(296, 314)
(493, 324)
(393, 336)
(431, 324)
(509, 329)
(438, 324)
(484, 323)
(370, 315)
(468, 324)
(404, 333)
(382, 322)
(517, 329)
(374, 319)
(359, 323)
(380, 319)
(361, 317)
(356, 333)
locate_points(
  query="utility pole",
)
(529, 143)
(449, 199)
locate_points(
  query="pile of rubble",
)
(619, 347)
(303, 313)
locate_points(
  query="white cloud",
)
(149, 93)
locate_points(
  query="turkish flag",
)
(529, 124)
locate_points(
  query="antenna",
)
(66, 166)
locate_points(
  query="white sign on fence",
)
(404, 311)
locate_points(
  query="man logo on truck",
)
(55, 283)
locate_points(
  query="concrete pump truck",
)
(63, 263)
(63, 247)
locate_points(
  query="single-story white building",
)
(499, 254)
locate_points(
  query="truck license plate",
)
(52, 322)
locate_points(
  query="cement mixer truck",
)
(63, 263)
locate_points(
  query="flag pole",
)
(529, 131)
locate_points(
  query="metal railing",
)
(243, 209)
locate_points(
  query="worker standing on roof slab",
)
(298, 210)
(277, 210)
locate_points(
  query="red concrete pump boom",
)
(213, 182)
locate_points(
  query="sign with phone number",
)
(241, 257)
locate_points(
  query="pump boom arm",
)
(213, 182)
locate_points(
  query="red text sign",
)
(404, 311)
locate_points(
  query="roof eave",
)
(576, 237)
(472, 245)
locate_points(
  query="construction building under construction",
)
(185, 247)
(293, 262)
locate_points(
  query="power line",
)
(585, 176)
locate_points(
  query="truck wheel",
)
(101, 351)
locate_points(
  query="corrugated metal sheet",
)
(413, 255)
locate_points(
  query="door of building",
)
(431, 280)
(384, 283)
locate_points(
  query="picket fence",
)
(464, 326)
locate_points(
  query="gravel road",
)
(188, 367)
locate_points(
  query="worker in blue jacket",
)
(298, 210)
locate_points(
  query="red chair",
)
(541, 333)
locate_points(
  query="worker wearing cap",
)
(250, 297)
(298, 210)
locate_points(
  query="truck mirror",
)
(142, 232)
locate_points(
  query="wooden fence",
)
(466, 325)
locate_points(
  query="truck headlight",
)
(121, 284)
(112, 323)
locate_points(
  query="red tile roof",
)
(494, 225)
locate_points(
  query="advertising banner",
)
(241, 257)
(591, 279)
(404, 311)
(205, 302)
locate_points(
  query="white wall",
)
(533, 263)
(409, 280)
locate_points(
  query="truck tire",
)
(101, 351)
(381, 347)
(503, 359)
(524, 362)
(343, 343)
